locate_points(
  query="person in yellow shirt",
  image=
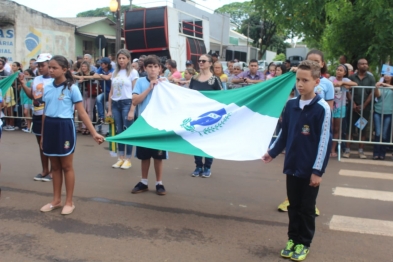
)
(9, 104)
(219, 72)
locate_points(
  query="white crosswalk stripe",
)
(366, 162)
(362, 225)
(364, 174)
(363, 193)
(358, 224)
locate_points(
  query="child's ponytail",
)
(70, 80)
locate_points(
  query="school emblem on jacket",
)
(306, 130)
(206, 123)
(67, 145)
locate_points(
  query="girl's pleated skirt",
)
(59, 136)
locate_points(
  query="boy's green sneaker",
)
(287, 252)
(300, 253)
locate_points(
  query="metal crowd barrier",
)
(368, 130)
(90, 90)
(347, 121)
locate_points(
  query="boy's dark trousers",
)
(199, 163)
(301, 210)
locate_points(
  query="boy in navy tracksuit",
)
(306, 136)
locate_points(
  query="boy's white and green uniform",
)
(236, 124)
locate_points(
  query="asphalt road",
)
(231, 216)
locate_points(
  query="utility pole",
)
(261, 36)
(115, 8)
(130, 5)
(118, 27)
(222, 36)
(248, 37)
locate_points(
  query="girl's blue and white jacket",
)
(306, 136)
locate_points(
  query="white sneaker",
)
(9, 128)
(26, 130)
(118, 164)
(346, 154)
(362, 155)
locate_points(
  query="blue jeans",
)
(380, 150)
(120, 110)
(101, 104)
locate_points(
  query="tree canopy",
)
(257, 24)
(355, 28)
(279, 57)
(105, 11)
(239, 12)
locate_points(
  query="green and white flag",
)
(236, 124)
(6, 83)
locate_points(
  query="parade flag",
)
(235, 124)
(6, 83)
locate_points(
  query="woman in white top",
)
(120, 104)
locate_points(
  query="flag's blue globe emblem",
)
(31, 41)
(206, 123)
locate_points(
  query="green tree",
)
(104, 11)
(278, 44)
(238, 12)
(259, 29)
(356, 28)
(305, 19)
(359, 29)
(256, 24)
(279, 57)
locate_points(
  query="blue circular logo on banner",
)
(31, 41)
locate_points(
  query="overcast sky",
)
(69, 8)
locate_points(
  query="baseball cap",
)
(44, 57)
(189, 62)
(215, 55)
(105, 60)
(135, 60)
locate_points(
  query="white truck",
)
(267, 59)
(296, 54)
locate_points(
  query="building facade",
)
(87, 30)
(218, 34)
(25, 33)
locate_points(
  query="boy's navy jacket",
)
(306, 136)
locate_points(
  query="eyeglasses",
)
(202, 61)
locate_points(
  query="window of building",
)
(88, 47)
(190, 26)
(195, 48)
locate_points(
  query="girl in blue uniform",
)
(58, 138)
